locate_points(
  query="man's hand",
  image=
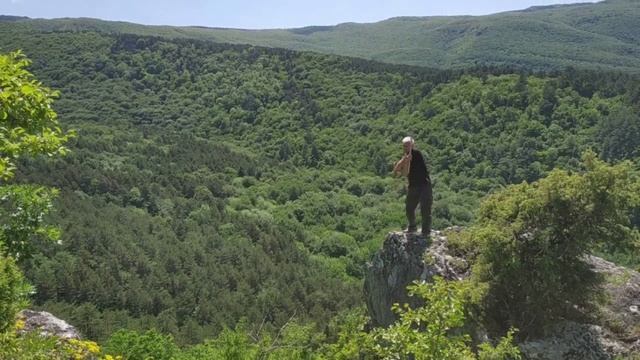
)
(402, 166)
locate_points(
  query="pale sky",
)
(255, 14)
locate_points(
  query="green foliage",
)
(213, 182)
(350, 339)
(426, 332)
(34, 346)
(530, 241)
(230, 344)
(28, 124)
(22, 212)
(620, 135)
(291, 342)
(14, 292)
(504, 349)
(431, 331)
(132, 345)
(434, 330)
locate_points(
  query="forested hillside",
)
(601, 35)
(210, 183)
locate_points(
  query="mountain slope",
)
(600, 35)
(211, 183)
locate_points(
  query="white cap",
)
(407, 139)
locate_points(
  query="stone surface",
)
(404, 258)
(617, 334)
(47, 325)
(622, 289)
(573, 341)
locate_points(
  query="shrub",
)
(14, 292)
(531, 240)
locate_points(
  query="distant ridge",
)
(550, 7)
(13, 18)
(602, 35)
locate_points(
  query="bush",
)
(531, 239)
(34, 346)
(14, 292)
(133, 345)
(435, 331)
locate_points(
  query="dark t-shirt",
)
(418, 173)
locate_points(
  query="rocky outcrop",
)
(618, 332)
(615, 332)
(620, 313)
(47, 325)
(404, 258)
(569, 340)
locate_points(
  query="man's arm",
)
(402, 166)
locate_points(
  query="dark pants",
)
(419, 194)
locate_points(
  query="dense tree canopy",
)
(210, 182)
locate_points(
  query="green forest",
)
(216, 197)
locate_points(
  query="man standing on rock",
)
(412, 166)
